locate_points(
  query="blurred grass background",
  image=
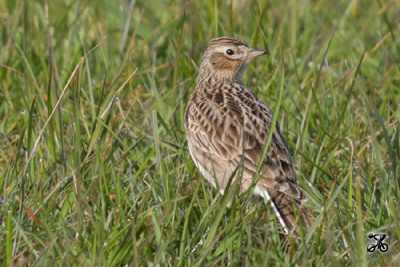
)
(94, 166)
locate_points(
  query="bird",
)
(226, 124)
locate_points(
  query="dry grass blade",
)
(57, 104)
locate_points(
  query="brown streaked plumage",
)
(226, 123)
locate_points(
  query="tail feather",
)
(285, 206)
(289, 211)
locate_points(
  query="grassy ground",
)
(94, 167)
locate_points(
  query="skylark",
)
(227, 124)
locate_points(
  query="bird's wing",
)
(224, 128)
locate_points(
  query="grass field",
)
(94, 166)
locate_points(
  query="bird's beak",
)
(255, 53)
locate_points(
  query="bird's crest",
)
(226, 40)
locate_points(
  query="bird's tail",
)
(290, 213)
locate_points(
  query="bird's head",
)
(227, 58)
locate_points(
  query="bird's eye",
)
(230, 52)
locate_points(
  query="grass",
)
(94, 167)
